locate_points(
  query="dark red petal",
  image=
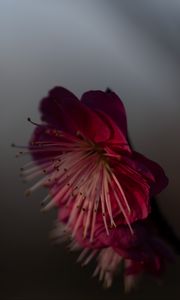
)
(160, 181)
(117, 138)
(137, 193)
(52, 113)
(64, 111)
(128, 245)
(162, 249)
(109, 103)
(121, 236)
(155, 265)
(40, 135)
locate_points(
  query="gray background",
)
(132, 47)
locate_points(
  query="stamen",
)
(123, 211)
(79, 177)
(29, 120)
(121, 191)
(90, 257)
(106, 195)
(41, 182)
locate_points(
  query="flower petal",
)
(160, 181)
(39, 135)
(52, 113)
(64, 111)
(117, 138)
(110, 104)
(137, 193)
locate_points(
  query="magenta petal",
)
(128, 245)
(122, 237)
(40, 135)
(109, 103)
(64, 111)
(117, 137)
(137, 193)
(162, 249)
(52, 113)
(160, 180)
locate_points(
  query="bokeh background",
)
(133, 47)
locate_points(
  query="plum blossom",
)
(100, 186)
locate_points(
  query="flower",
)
(83, 150)
(100, 186)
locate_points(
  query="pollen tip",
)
(43, 210)
(27, 193)
(44, 202)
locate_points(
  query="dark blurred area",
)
(132, 47)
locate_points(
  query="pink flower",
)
(99, 184)
(88, 165)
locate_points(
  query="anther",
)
(27, 193)
(29, 120)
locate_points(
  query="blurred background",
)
(133, 47)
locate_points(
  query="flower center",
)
(79, 177)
